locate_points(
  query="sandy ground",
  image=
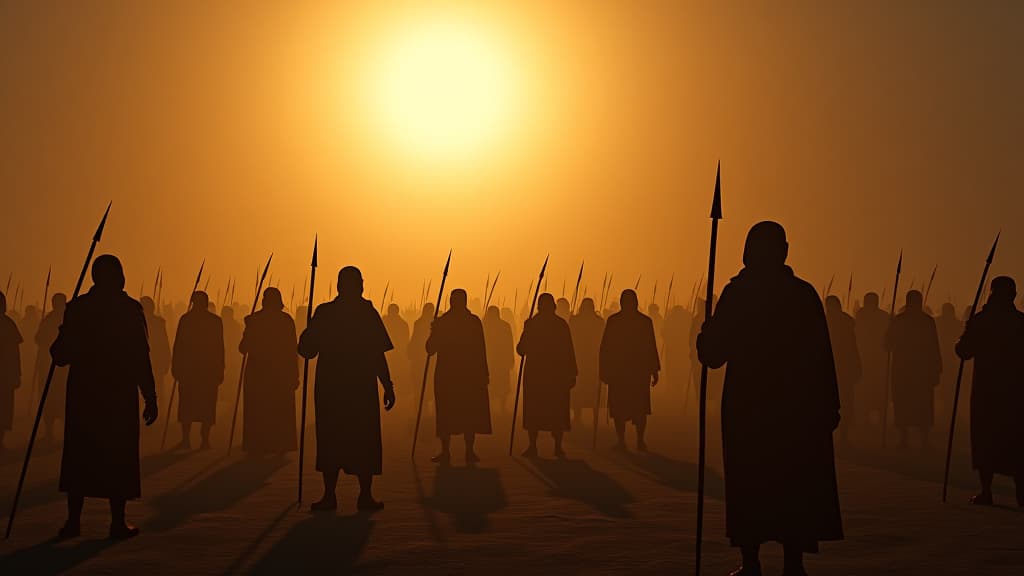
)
(599, 512)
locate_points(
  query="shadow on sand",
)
(675, 474)
(52, 556)
(576, 480)
(324, 543)
(468, 494)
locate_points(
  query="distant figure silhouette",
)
(654, 313)
(271, 378)
(916, 367)
(949, 328)
(418, 343)
(232, 338)
(103, 340)
(587, 328)
(847, 359)
(159, 345)
(198, 364)
(461, 377)
(398, 331)
(549, 374)
(10, 368)
(630, 368)
(994, 339)
(780, 405)
(501, 356)
(349, 339)
(563, 308)
(871, 325)
(49, 328)
(675, 341)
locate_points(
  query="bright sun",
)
(443, 90)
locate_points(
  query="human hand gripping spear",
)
(426, 363)
(174, 383)
(522, 359)
(245, 357)
(305, 370)
(888, 356)
(960, 370)
(49, 379)
(716, 215)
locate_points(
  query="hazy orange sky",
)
(227, 131)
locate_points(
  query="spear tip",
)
(545, 266)
(448, 262)
(716, 203)
(99, 230)
(316, 240)
(992, 252)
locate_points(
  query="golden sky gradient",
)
(227, 131)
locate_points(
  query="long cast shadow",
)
(218, 491)
(468, 494)
(322, 544)
(676, 474)
(928, 467)
(52, 556)
(576, 480)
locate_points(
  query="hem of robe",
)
(808, 546)
(348, 470)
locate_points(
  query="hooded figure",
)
(501, 355)
(630, 367)
(10, 367)
(871, 325)
(198, 365)
(271, 378)
(847, 358)
(994, 339)
(53, 412)
(103, 340)
(159, 345)
(587, 329)
(780, 405)
(916, 367)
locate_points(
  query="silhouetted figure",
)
(847, 359)
(629, 367)
(587, 328)
(49, 328)
(563, 308)
(675, 347)
(461, 377)
(418, 343)
(654, 313)
(28, 324)
(103, 340)
(198, 364)
(871, 325)
(780, 405)
(232, 338)
(271, 378)
(349, 339)
(501, 355)
(398, 331)
(916, 367)
(159, 345)
(949, 328)
(548, 376)
(994, 339)
(10, 368)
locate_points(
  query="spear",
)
(563, 288)
(231, 298)
(693, 305)
(174, 383)
(849, 292)
(291, 304)
(426, 364)
(305, 283)
(10, 276)
(828, 289)
(155, 282)
(206, 287)
(604, 286)
(305, 368)
(46, 296)
(960, 370)
(49, 379)
(384, 297)
(607, 292)
(888, 359)
(668, 297)
(928, 290)
(491, 293)
(716, 215)
(487, 287)
(637, 286)
(522, 359)
(160, 291)
(245, 357)
(576, 292)
(654, 293)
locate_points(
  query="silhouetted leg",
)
(471, 457)
(793, 561)
(531, 450)
(186, 432)
(557, 435)
(985, 497)
(620, 432)
(119, 527)
(445, 456)
(204, 432)
(641, 427)
(73, 527)
(366, 501)
(751, 561)
(329, 501)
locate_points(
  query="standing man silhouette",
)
(10, 368)
(198, 364)
(630, 367)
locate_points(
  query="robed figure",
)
(501, 356)
(349, 340)
(780, 405)
(549, 374)
(103, 340)
(871, 325)
(913, 341)
(271, 378)
(847, 359)
(994, 339)
(197, 363)
(461, 377)
(159, 345)
(630, 367)
(586, 327)
(49, 328)
(10, 368)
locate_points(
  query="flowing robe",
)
(549, 374)
(271, 378)
(461, 376)
(629, 357)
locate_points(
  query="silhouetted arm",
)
(714, 343)
(523, 347)
(966, 347)
(245, 344)
(309, 341)
(62, 349)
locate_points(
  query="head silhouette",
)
(200, 300)
(493, 313)
(587, 306)
(563, 305)
(832, 304)
(272, 299)
(147, 305)
(1004, 290)
(227, 312)
(350, 282)
(546, 304)
(871, 300)
(766, 246)
(653, 309)
(59, 301)
(393, 309)
(107, 273)
(915, 300)
(428, 310)
(3, 303)
(628, 301)
(458, 299)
